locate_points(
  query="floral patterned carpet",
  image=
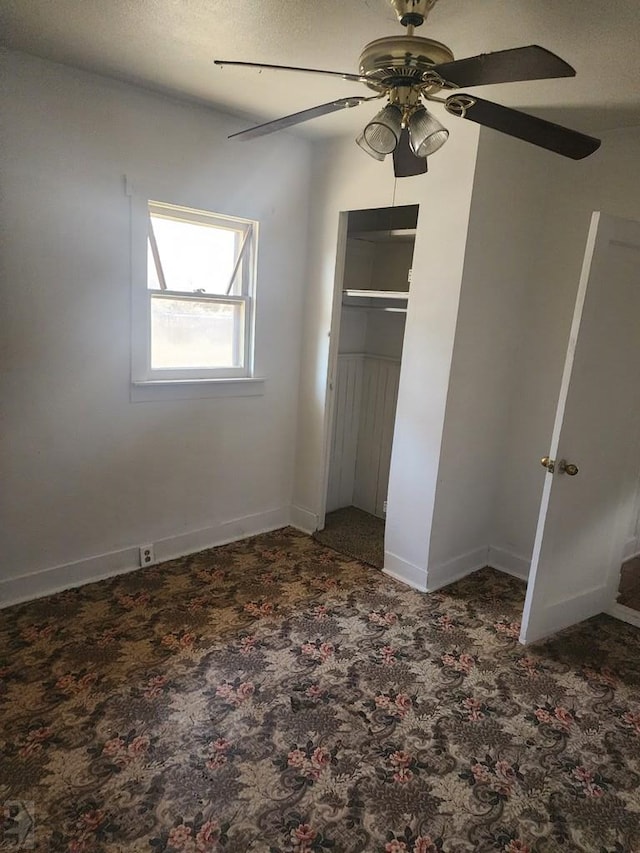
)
(273, 695)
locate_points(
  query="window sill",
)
(152, 390)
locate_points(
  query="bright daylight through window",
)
(200, 279)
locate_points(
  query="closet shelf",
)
(401, 295)
(395, 235)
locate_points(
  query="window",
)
(199, 297)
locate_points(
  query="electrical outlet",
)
(146, 555)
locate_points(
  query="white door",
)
(585, 516)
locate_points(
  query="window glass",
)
(187, 333)
(194, 257)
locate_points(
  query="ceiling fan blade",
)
(357, 78)
(546, 134)
(298, 118)
(505, 66)
(405, 162)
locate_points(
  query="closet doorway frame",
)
(334, 349)
(332, 360)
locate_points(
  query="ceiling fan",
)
(408, 70)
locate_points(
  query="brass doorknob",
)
(569, 468)
(564, 467)
(548, 463)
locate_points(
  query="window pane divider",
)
(197, 297)
(156, 255)
(245, 242)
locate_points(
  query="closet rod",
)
(376, 308)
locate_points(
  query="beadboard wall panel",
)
(344, 440)
(366, 397)
(375, 436)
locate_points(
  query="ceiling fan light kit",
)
(382, 134)
(409, 70)
(426, 133)
(362, 142)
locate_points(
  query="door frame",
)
(332, 362)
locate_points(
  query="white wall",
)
(607, 181)
(86, 472)
(343, 178)
(528, 226)
(509, 197)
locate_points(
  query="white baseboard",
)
(459, 567)
(626, 614)
(101, 566)
(303, 519)
(405, 572)
(569, 611)
(508, 562)
(456, 569)
(449, 572)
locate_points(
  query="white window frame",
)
(245, 273)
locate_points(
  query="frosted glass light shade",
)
(362, 142)
(383, 131)
(426, 133)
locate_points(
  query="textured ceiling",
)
(169, 45)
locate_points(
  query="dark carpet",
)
(356, 533)
(272, 696)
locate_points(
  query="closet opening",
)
(628, 593)
(367, 335)
(629, 586)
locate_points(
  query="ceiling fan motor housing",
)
(411, 13)
(401, 60)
